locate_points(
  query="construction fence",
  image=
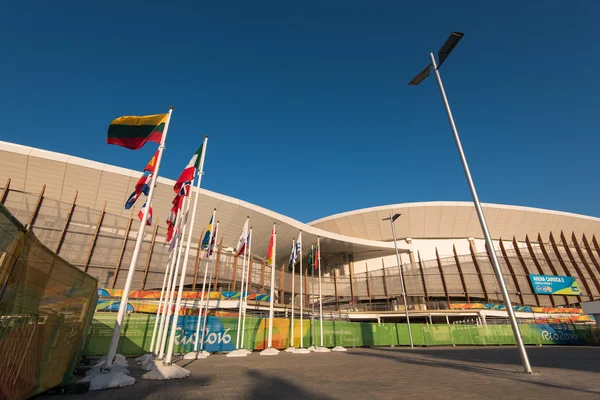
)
(46, 308)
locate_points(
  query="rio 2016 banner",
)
(550, 284)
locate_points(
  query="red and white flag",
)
(141, 215)
(190, 170)
(241, 245)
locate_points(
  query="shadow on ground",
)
(269, 387)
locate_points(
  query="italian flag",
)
(133, 132)
(188, 173)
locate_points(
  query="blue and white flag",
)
(293, 256)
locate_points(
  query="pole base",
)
(269, 352)
(247, 351)
(108, 380)
(312, 348)
(290, 349)
(164, 372)
(116, 368)
(301, 350)
(195, 355)
(237, 353)
(143, 359)
(322, 350)
(339, 348)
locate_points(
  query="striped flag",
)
(270, 250)
(190, 170)
(141, 215)
(133, 132)
(241, 245)
(293, 256)
(206, 238)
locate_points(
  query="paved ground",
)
(381, 373)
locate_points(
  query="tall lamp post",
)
(443, 54)
(392, 219)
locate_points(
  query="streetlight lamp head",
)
(447, 48)
(395, 217)
(421, 76)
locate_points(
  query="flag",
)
(141, 215)
(213, 243)
(270, 251)
(317, 257)
(152, 163)
(293, 256)
(188, 173)
(132, 199)
(174, 233)
(133, 132)
(241, 245)
(185, 189)
(206, 238)
(310, 259)
(143, 184)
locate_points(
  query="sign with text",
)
(551, 284)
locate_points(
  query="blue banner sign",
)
(554, 284)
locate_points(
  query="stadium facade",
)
(75, 207)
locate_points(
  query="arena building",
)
(75, 207)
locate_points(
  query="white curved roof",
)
(454, 219)
(29, 168)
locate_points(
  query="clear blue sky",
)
(307, 104)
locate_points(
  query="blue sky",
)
(307, 103)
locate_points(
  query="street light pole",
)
(392, 218)
(443, 54)
(484, 227)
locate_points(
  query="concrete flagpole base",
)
(312, 348)
(144, 359)
(99, 369)
(237, 353)
(290, 349)
(108, 380)
(196, 355)
(339, 348)
(301, 350)
(247, 351)
(269, 352)
(148, 365)
(322, 350)
(164, 372)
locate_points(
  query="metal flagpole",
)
(392, 219)
(239, 331)
(199, 172)
(166, 305)
(484, 227)
(293, 281)
(204, 282)
(322, 349)
(270, 350)
(312, 298)
(244, 309)
(212, 265)
(301, 350)
(181, 234)
(114, 343)
(160, 303)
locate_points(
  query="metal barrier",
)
(46, 307)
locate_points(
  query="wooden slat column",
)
(385, 286)
(335, 287)
(439, 264)
(562, 262)
(575, 264)
(368, 287)
(262, 275)
(423, 279)
(123, 246)
(250, 267)
(234, 277)
(512, 271)
(5, 191)
(281, 287)
(95, 238)
(63, 232)
(150, 253)
(36, 209)
(351, 262)
(537, 264)
(595, 243)
(587, 266)
(461, 274)
(590, 252)
(549, 261)
(479, 274)
(525, 268)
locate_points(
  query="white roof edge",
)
(450, 204)
(50, 155)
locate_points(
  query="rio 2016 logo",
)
(221, 337)
(560, 335)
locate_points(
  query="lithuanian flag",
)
(133, 132)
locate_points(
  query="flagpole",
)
(238, 330)
(322, 348)
(114, 343)
(244, 309)
(175, 240)
(312, 298)
(160, 302)
(212, 220)
(199, 172)
(301, 296)
(270, 350)
(212, 264)
(293, 281)
(181, 236)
